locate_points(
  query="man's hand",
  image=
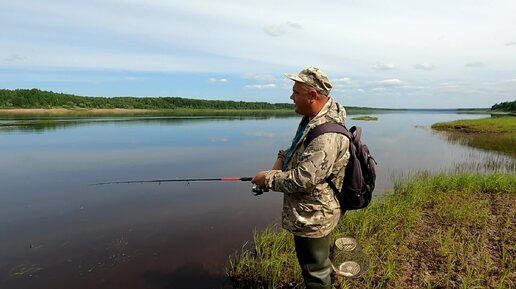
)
(259, 179)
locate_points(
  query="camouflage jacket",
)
(310, 208)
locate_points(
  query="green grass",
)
(496, 134)
(433, 231)
(483, 125)
(364, 118)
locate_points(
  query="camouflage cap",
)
(314, 77)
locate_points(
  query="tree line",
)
(509, 106)
(35, 98)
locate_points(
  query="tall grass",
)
(434, 231)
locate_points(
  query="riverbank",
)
(483, 125)
(492, 134)
(64, 111)
(139, 112)
(442, 231)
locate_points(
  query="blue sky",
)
(398, 53)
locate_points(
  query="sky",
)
(392, 54)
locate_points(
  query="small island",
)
(366, 118)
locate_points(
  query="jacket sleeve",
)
(314, 165)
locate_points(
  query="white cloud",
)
(135, 78)
(383, 66)
(218, 139)
(261, 86)
(475, 64)
(510, 43)
(217, 80)
(15, 57)
(389, 82)
(424, 66)
(508, 82)
(281, 29)
(260, 77)
(341, 81)
(360, 90)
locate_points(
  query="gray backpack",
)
(359, 179)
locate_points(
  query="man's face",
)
(301, 97)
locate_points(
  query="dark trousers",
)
(313, 256)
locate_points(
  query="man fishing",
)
(310, 208)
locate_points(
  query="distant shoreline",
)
(202, 111)
(93, 112)
(68, 110)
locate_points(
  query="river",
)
(57, 231)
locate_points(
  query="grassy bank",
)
(443, 231)
(483, 125)
(498, 134)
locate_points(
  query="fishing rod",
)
(256, 189)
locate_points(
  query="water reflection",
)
(41, 124)
(187, 276)
(58, 232)
(501, 142)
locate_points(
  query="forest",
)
(35, 98)
(508, 106)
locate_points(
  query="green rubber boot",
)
(313, 256)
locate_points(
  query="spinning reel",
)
(258, 190)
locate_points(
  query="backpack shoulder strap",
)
(325, 128)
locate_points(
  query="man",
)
(310, 208)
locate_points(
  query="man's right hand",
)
(259, 179)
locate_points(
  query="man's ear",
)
(314, 94)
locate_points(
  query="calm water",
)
(58, 232)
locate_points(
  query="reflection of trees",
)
(50, 123)
(500, 142)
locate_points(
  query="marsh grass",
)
(493, 134)
(366, 118)
(499, 142)
(483, 125)
(433, 231)
(489, 163)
